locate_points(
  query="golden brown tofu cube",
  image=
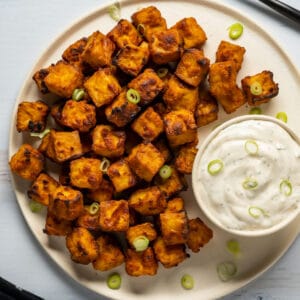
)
(180, 127)
(54, 226)
(42, 188)
(73, 53)
(145, 160)
(39, 78)
(148, 201)
(32, 116)
(191, 32)
(98, 50)
(108, 142)
(148, 85)
(27, 162)
(121, 175)
(222, 80)
(88, 220)
(179, 95)
(102, 87)
(103, 193)
(82, 246)
(131, 59)
(162, 146)
(121, 111)
(185, 158)
(149, 21)
(110, 254)
(262, 82)
(175, 205)
(192, 67)
(169, 256)
(165, 46)
(63, 79)
(114, 215)
(228, 51)
(85, 173)
(140, 263)
(148, 125)
(199, 234)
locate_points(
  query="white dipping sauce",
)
(257, 187)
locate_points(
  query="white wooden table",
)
(26, 28)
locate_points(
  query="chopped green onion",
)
(215, 166)
(233, 247)
(40, 135)
(286, 187)
(250, 184)
(35, 206)
(105, 163)
(140, 243)
(226, 270)
(235, 31)
(114, 11)
(255, 88)
(94, 208)
(282, 116)
(187, 282)
(256, 212)
(114, 281)
(78, 94)
(255, 111)
(162, 72)
(251, 147)
(133, 96)
(165, 172)
(141, 29)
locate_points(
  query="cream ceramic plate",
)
(263, 53)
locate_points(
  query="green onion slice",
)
(40, 135)
(255, 88)
(251, 147)
(187, 282)
(35, 206)
(256, 212)
(94, 208)
(133, 96)
(165, 172)
(105, 163)
(141, 29)
(162, 72)
(233, 247)
(140, 243)
(255, 111)
(236, 30)
(114, 11)
(250, 184)
(215, 166)
(78, 94)
(226, 270)
(286, 187)
(114, 281)
(282, 116)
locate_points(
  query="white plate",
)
(258, 254)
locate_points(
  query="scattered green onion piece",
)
(133, 96)
(105, 163)
(141, 29)
(255, 88)
(255, 111)
(215, 166)
(251, 147)
(250, 184)
(114, 11)
(94, 208)
(235, 31)
(35, 206)
(187, 282)
(256, 212)
(165, 172)
(78, 94)
(40, 135)
(162, 72)
(226, 270)
(114, 281)
(233, 247)
(140, 243)
(282, 116)
(286, 187)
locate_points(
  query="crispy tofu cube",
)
(66, 203)
(148, 85)
(63, 79)
(162, 146)
(165, 46)
(110, 254)
(42, 188)
(179, 95)
(199, 234)
(264, 81)
(148, 201)
(88, 220)
(98, 50)
(121, 175)
(140, 263)
(27, 162)
(228, 51)
(114, 215)
(191, 32)
(73, 53)
(85, 173)
(222, 80)
(131, 59)
(180, 127)
(149, 21)
(145, 160)
(82, 246)
(39, 78)
(169, 256)
(193, 67)
(102, 87)
(54, 226)
(185, 157)
(108, 142)
(148, 125)
(175, 205)
(103, 193)
(32, 116)
(121, 111)
(174, 227)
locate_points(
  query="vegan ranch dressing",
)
(248, 193)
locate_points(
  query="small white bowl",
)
(203, 198)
